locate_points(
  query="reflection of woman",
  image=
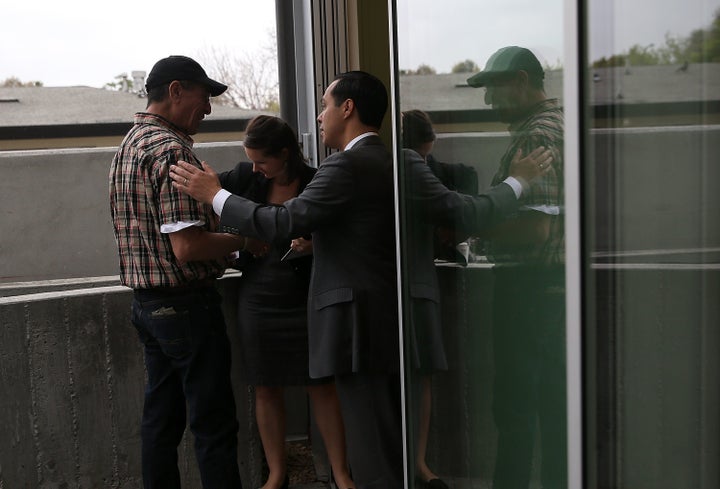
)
(419, 136)
(272, 314)
(429, 204)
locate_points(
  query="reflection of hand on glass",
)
(534, 165)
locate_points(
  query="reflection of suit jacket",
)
(429, 203)
(349, 209)
(455, 176)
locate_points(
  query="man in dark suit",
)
(349, 209)
(352, 315)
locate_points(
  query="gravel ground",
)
(300, 467)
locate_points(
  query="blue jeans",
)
(187, 357)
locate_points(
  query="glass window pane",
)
(653, 241)
(483, 277)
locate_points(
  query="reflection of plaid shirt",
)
(142, 199)
(543, 127)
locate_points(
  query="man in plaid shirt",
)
(528, 250)
(170, 256)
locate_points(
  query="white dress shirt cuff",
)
(219, 200)
(174, 227)
(516, 185)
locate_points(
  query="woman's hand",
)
(301, 245)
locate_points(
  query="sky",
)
(89, 42)
(443, 33)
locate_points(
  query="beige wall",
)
(56, 215)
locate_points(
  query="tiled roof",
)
(37, 106)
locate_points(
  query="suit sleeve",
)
(324, 200)
(427, 196)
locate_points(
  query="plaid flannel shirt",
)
(543, 127)
(142, 199)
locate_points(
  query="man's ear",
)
(348, 107)
(522, 79)
(174, 89)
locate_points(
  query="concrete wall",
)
(71, 378)
(56, 214)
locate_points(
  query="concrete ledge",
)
(71, 377)
(28, 289)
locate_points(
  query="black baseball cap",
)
(181, 68)
(505, 61)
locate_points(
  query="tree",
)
(14, 82)
(704, 44)
(700, 46)
(251, 76)
(423, 69)
(122, 83)
(467, 66)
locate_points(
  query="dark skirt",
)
(272, 322)
(426, 329)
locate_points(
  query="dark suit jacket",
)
(242, 181)
(349, 209)
(427, 203)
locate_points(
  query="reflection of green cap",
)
(505, 61)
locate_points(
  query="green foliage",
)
(700, 46)
(122, 83)
(13, 82)
(423, 69)
(467, 66)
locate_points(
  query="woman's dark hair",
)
(417, 129)
(366, 91)
(271, 135)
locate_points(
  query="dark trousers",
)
(529, 389)
(187, 357)
(372, 414)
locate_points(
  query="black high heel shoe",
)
(336, 486)
(435, 483)
(285, 484)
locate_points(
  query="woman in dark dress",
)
(272, 302)
(425, 323)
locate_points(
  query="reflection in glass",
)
(653, 101)
(497, 403)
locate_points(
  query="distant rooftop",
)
(40, 106)
(69, 106)
(631, 85)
